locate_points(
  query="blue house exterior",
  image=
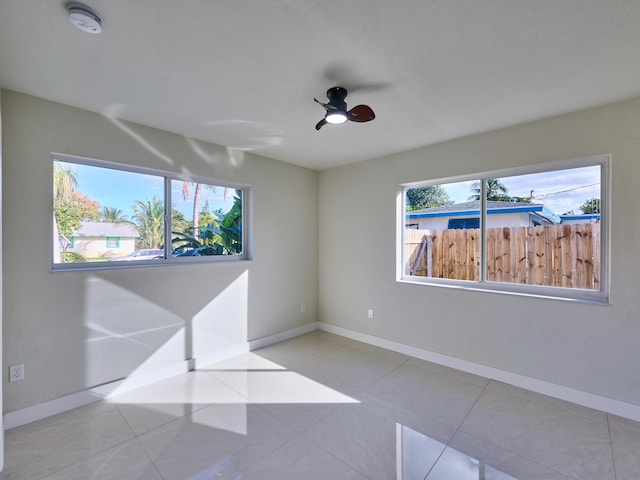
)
(499, 214)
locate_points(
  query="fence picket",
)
(552, 255)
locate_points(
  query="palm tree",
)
(496, 190)
(149, 218)
(113, 215)
(196, 202)
(65, 182)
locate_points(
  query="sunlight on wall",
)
(222, 323)
(113, 112)
(214, 155)
(127, 334)
(236, 157)
(210, 153)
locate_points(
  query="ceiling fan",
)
(337, 109)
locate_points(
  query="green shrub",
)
(72, 257)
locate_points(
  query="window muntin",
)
(103, 213)
(540, 230)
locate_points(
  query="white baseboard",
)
(90, 395)
(282, 336)
(586, 399)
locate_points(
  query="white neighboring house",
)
(96, 239)
(499, 214)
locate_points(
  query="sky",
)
(561, 190)
(120, 189)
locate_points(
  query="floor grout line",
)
(497, 445)
(613, 457)
(299, 427)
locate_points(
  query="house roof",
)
(475, 205)
(244, 74)
(583, 216)
(493, 208)
(99, 229)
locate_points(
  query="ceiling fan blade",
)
(320, 124)
(327, 106)
(361, 113)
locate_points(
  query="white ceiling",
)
(243, 73)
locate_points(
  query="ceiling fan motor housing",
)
(336, 96)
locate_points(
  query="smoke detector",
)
(83, 17)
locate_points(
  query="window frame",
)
(601, 296)
(117, 241)
(167, 177)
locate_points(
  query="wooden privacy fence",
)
(553, 255)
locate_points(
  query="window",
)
(113, 242)
(539, 231)
(462, 223)
(107, 215)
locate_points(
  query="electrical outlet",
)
(303, 308)
(16, 372)
(370, 313)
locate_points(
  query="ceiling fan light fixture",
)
(336, 117)
(336, 109)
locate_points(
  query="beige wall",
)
(74, 330)
(590, 348)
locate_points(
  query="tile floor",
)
(321, 406)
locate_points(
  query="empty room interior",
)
(300, 239)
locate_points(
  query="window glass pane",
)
(442, 237)
(544, 229)
(206, 220)
(105, 214)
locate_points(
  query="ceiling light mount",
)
(84, 18)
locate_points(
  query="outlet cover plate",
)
(16, 372)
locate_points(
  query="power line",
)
(540, 197)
